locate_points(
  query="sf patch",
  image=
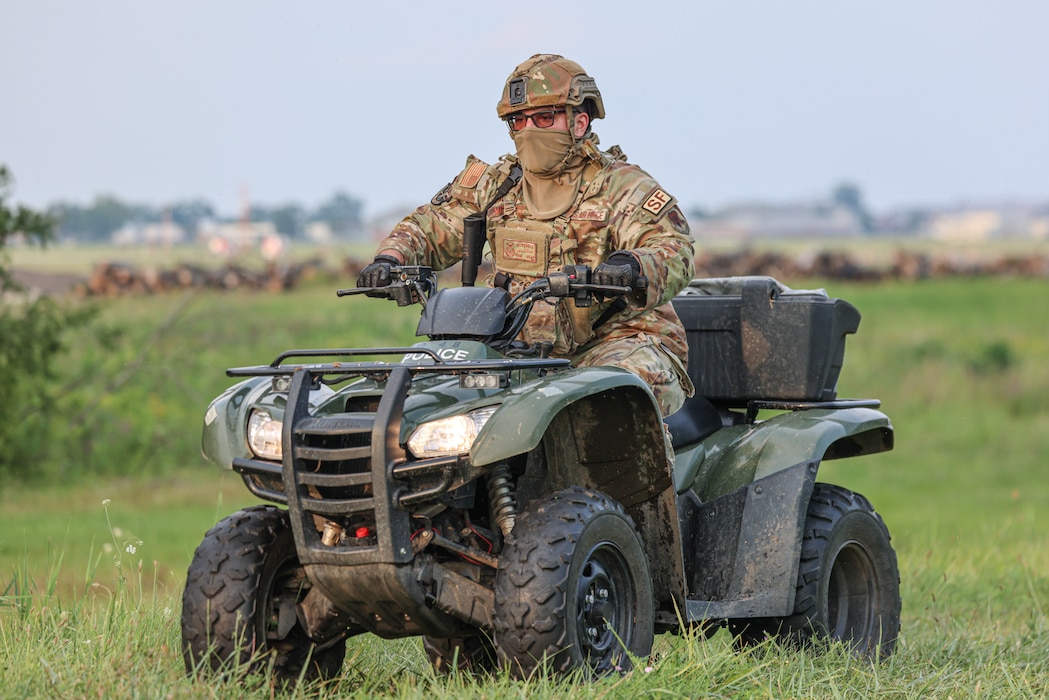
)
(442, 197)
(656, 202)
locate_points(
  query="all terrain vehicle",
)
(515, 511)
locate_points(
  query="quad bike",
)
(518, 512)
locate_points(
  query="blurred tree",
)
(849, 196)
(343, 213)
(289, 219)
(189, 214)
(32, 337)
(97, 222)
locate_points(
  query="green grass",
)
(962, 368)
(81, 259)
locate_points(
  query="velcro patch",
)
(656, 202)
(442, 197)
(473, 174)
(590, 215)
(524, 251)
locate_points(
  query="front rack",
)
(432, 363)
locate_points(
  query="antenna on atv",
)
(475, 229)
(473, 244)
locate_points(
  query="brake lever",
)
(356, 290)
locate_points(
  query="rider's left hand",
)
(620, 270)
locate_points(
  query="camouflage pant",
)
(646, 357)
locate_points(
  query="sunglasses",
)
(542, 120)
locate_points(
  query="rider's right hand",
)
(377, 273)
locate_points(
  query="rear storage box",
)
(753, 338)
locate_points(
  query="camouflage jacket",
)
(619, 208)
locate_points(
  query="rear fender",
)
(742, 535)
(737, 456)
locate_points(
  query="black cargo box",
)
(753, 338)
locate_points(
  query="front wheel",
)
(239, 605)
(848, 578)
(573, 588)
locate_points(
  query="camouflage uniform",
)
(617, 207)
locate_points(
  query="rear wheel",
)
(848, 579)
(573, 587)
(239, 605)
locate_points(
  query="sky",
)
(918, 102)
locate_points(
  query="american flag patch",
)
(473, 174)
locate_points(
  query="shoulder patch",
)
(677, 220)
(442, 197)
(656, 202)
(472, 175)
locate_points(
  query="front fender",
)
(526, 415)
(736, 457)
(223, 438)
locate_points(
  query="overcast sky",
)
(934, 102)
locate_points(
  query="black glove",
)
(620, 270)
(377, 273)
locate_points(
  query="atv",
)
(515, 511)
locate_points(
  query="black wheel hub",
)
(852, 594)
(603, 592)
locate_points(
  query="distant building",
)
(749, 221)
(976, 224)
(319, 232)
(1040, 228)
(226, 239)
(165, 233)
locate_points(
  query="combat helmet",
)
(548, 79)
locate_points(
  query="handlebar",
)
(416, 283)
(410, 284)
(574, 281)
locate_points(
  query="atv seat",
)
(696, 419)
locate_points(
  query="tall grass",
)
(962, 368)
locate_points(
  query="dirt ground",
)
(47, 283)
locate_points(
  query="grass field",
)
(962, 366)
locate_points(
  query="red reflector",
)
(363, 532)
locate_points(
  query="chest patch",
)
(590, 215)
(523, 251)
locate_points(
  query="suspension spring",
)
(501, 497)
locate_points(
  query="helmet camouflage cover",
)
(546, 80)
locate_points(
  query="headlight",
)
(264, 435)
(449, 436)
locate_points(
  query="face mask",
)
(543, 152)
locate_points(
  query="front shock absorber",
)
(501, 497)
